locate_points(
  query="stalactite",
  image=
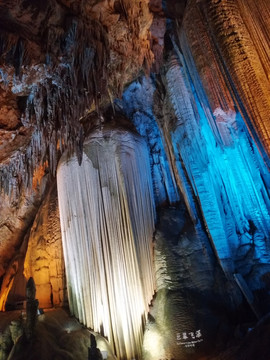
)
(59, 96)
(64, 61)
(107, 221)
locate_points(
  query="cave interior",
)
(134, 179)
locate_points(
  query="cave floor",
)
(57, 336)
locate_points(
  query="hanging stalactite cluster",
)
(59, 96)
(61, 66)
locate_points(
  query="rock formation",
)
(94, 352)
(31, 309)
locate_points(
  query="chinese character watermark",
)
(189, 339)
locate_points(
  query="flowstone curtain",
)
(107, 221)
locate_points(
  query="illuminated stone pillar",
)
(107, 221)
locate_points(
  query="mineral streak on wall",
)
(107, 221)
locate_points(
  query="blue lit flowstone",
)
(226, 171)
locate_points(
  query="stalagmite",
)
(107, 221)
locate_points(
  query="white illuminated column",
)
(107, 222)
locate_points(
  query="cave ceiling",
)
(79, 54)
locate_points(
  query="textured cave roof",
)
(59, 60)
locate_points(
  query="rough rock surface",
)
(196, 309)
(57, 336)
(61, 59)
(215, 163)
(17, 212)
(12, 293)
(138, 105)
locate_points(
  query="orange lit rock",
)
(195, 39)
(13, 286)
(17, 211)
(44, 258)
(7, 283)
(39, 174)
(158, 29)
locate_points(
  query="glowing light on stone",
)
(107, 221)
(226, 171)
(153, 345)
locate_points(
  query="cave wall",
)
(137, 103)
(238, 35)
(224, 168)
(208, 132)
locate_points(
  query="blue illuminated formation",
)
(137, 102)
(218, 167)
(227, 174)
